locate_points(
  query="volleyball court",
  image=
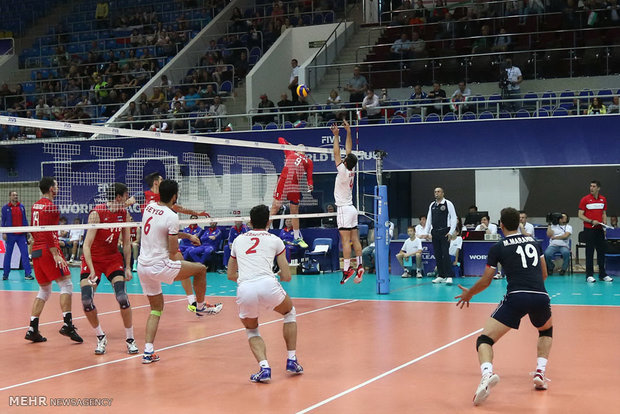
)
(362, 352)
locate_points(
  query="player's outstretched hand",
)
(92, 278)
(195, 240)
(203, 214)
(130, 201)
(346, 125)
(464, 297)
(334, 129)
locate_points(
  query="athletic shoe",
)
(35, 336)
(487, 382)
(540, 381)
(264, 375)
(496, 276)
(301, 243)
(606, 279)
(27, 277)
(71, 332)
(207, 309)
(101, 344)
(439, 279)
(448, 281)
(293, 366)
(418, 274)
(131, 346)
(149, 357)
(562, 272)
(135, 267)
(590, 279)
(346, 275)
(405, 274)
(359, 274)
(5, 278)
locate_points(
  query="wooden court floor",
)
(360, 355)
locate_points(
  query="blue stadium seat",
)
(415, 118)
(605, 95)
(257, 127)
(523, 113)
(226, 87)
(271, 125)
(397, 120)
(486, 115)
(560, 112)
(541, 113)
(468, 116)
(504, 114)
(548, 99)
(432, 118)
(288, 125)
(450, 116)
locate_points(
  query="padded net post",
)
(382, 240)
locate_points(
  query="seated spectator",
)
(356, 86)
(179, 126)
(242, 66)
(420, 230)
(534, 7)
(216, 109)
(459, 96)
(403, 13)
(455, 249)
(186, 244)
(596, 107)
(334, 102)
(525, 228)
(42, 110)
(63, 236)
(265, 106)
(300, 111)
(486, 226)
(157, 98)
(368, 253)
(418, 46)
(207, 93)
(178, 97)
(411, 247)
(420, 12)
(438, 96)
(401, 48)
(483, 43)
(613, 108)
(191, 99)
(418, 97)
(370, 105)
(559, 235)
(210, 240)
(447, 27)
(293, 251)
(329, 222)
(502, 43)
(284, 106)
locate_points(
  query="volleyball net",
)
(224, 176)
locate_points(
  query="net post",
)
(382, 240)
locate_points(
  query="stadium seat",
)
(271, 125)
(486, 115)
(504, 114)
(548, 99)
(432, 118)
(323, 257)
(605, 95)
(415, 118)
(560, 112)
(226, 87)
(288, 125)
(450, 116)
(522, 113)
(468, 116)
(541, 113)
(397, 120)
(257, 127)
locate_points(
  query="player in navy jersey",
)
(524, 264)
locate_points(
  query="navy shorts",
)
(516, 305)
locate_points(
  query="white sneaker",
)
(448, 281)
(487, 382)
(418, 274)
(540, 381)
(439, 279)
(405, 274)
(590, 279)
(131, 346)
(101, 344)
(607, 279)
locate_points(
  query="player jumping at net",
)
(526, 272)
(101, 256)
(252, 255)
(160, 261)
(153, 180)
(296, 163)
(49, 264)
(347, 213)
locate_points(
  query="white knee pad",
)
(45, 292)
(291, 316)
(252, 333)
(66, 286)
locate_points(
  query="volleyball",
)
(303, 90)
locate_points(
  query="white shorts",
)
(152, 276)
(347, 217)
(261, 294)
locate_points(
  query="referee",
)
(14, 215)
(441, 225)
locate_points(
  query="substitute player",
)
(296, 163)
(49, 264)
(250, 264)
(101, 256)
(526, 271)
(159, 260)
(347, 213)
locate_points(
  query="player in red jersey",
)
(296, 165)
(101, 256)
(49, 264)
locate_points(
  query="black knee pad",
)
(87, 298)
(483, 339)
(121, 295)
(546, 332)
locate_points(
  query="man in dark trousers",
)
(441, 224)
(593, 212)
(14, 215)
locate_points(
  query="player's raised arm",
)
(348, 144)
(336, 133)
(126, 235)
(93, 218)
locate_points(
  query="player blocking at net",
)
(346, 217)
(49, 264)
(160, 261)
(101, 256)
(526, 271)
(250, 265)
(296, 164)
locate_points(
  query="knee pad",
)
(483, 339)
(45, 292)
(291, 316)
(121, 294)
(87, 298)
(546, 332)
(66, 286)
(252, 333)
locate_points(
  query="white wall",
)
(271, 75)
(496, 189)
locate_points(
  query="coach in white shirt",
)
(525, 228)
(250, 265)
(486, 226)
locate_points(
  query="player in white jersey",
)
(250, 264)
(158, 260)
(347, 213)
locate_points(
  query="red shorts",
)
(45, 269)
(105, 265)
(292, 194)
